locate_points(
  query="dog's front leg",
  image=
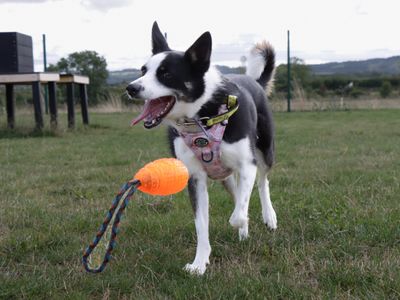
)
(239, 217)
(199, 198)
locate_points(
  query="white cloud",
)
(120, 30)
(105, 5)
(25, 1)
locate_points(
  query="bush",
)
(355, 93)
(386, 89)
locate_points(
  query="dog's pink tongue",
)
(145, 112)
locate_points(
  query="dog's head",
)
(171, 80)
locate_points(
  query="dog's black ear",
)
(200, 52)
(159, 42)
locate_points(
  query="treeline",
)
(328, 85)
(303, 81)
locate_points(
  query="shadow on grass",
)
(7, 133)
(97, 126)
(28, 132)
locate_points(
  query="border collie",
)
(183, 90)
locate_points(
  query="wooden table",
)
(35, 79)
(51, 79)
(82, 82)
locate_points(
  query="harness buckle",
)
(201, 142)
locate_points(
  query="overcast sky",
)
(321, 30)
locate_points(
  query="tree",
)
(386, 89)
(300, 73)
(87, 63)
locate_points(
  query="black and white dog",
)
(182, 90)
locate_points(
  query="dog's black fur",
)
(192, 89)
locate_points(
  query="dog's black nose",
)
(133, 89)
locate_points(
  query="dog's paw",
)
(243, 233)
(270, 220)
(237, 220)
(195, 269)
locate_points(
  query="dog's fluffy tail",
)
(261, 65)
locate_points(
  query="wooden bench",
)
(35, 79)
(81, 81)
(51, 79)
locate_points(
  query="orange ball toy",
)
(162, 177)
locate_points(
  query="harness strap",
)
(232, 105)
(206, 142)
(207, 150)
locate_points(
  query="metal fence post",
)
(288, 72)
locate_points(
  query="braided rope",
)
(126, 190)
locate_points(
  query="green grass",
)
(335, 189)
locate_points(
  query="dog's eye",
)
(163, 72)
(143, 70)
(167, 75)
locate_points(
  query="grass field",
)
(335, 188)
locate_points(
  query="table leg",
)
(10, 105)
(52, 104)
(84, 104)
(70, 105)
(37, 105)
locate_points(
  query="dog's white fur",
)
(154, 88)
(181, 109)
(237, 156)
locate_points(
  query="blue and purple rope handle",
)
(128, 189)
(162, 177)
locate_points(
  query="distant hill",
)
(123, 76)
(229, 70)
(381, 66)
(128, 75)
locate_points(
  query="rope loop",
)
(126, 192)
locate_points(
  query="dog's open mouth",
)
(154, 111)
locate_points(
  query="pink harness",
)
(206, 145)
